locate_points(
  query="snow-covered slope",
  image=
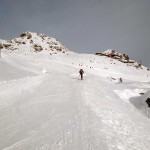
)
(33, 42)
(45, 106)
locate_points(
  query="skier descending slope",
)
(81, 73)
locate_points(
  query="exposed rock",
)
(23, 42)
(1, 45)
(37, 47)
(18, 41)
(141, 93)
(126, 57)
(29, 41)
(6, 45)
(115, 55)
(26, 34)
(115, 79)
(23, 34)
(137, 65)
(148, 101)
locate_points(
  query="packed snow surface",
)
(45, 106)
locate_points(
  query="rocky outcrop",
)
(115, 55)
(124, 58)
(1, 45)
(148, 101)
(6, 45)
(28, 41)
(37, 47)
(26, 34)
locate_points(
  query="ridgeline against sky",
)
(83, 25)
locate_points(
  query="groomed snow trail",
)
(55, 110)
(48, 113)
(64, 113)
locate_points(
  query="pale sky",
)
(84, 26)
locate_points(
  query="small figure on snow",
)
(81, 73)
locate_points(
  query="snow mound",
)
(126, 94)
(44, 71)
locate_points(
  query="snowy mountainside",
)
(44, 105)
(34, 42)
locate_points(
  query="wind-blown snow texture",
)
(45, 106)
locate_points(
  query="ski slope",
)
(44, 105)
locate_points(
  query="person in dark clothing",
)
(81, 73)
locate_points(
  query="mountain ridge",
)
(38, 42)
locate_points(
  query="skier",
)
(81, 73)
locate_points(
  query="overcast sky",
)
(85, 26)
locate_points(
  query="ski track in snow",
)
(73, 120)
(58, 111)
(71, 124)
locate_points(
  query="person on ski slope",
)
(81, 73)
